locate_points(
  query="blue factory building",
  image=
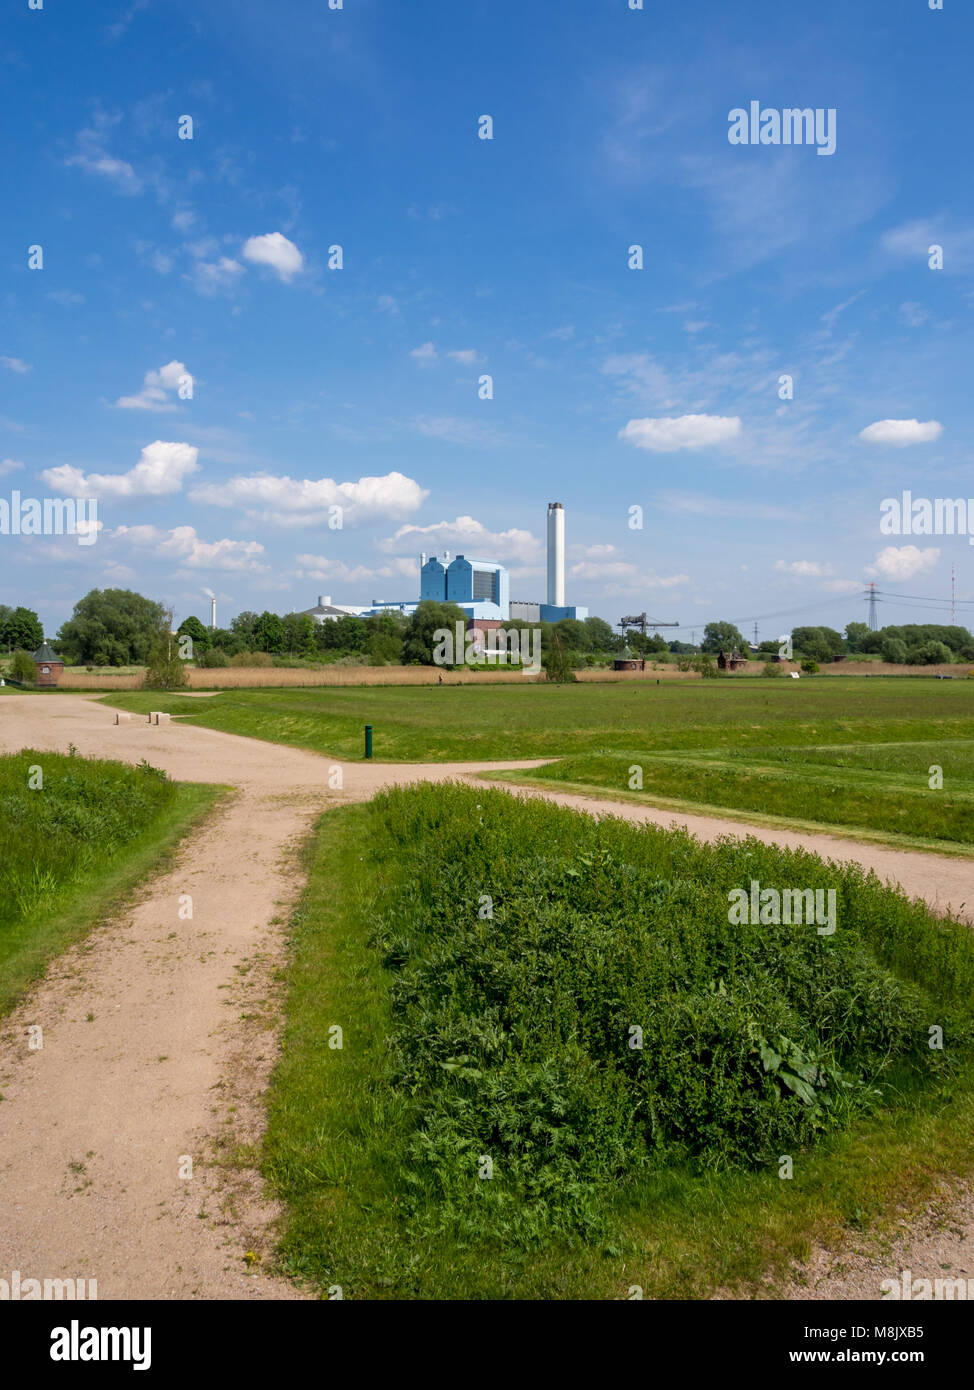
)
(482, 587)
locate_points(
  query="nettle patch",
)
(572, 1006)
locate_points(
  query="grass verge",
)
(463, 1038)
(64, 877)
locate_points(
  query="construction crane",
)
(642, 622)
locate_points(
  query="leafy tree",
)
(722, 637)
(21, 627)
(573, 633)
(929, 654)
(22, 668)
(299, 635)
(192, 627)
(269, 634)
(683, 649)
(244, 628)
(558, 663)
(116, 624)
(418, 642)
(227, 640)
(893, 650)
(819, 643)
(347, 634)
(164, 669)
(601, 637)
(856, 636)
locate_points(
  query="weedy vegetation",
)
(565, 1072)
(73, 845)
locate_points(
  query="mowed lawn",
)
(852, 753)
(460, 723)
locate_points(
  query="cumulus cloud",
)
(160, 471)
(899, 433)
(466, 536)
(184, 545)
(803, 569)
(898, 562)
(467, 356)
(216, 277)
(14, 364)
(9, 466)
(276, 251)
(156, 384)
(306, 502)
(667, 434)
(425, 354)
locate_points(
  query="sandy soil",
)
(160, 1033)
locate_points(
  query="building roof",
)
(322, 609)
(45, 653)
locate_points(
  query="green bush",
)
(215, 657)
(810, 668)
(773, 668)
(22, 668)
(570, 1000)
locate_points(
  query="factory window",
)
(484, 586)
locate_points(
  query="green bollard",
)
(368, 740)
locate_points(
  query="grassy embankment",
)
(773, 752)
(488, 962)
(75, 847)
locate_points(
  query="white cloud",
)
(160, 471)
(276, 251)
(611, 569)
(305, 502)
(14, 364)
(468, 356)
(155, 386)
(803, 569)
(904, 562)
(669, 433)
(842, 586)
(899, 433)
(465, 536)
(216, 277)
(9, 466)
(320, 567)
(425, 354)
(184, 545)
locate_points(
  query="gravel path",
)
(160, 1033)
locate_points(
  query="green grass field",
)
(849, 753)
(74, 846)
(506, 1035)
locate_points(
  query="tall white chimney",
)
(213, 614)
(556, 554)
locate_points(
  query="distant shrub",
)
(215, 657)
(252, 659)
(772, 668)
(810, 667)
(22, 668)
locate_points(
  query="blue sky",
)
(168, 259)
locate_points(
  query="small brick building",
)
(49, 665)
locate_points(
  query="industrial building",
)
(325, 611)
(480, 587)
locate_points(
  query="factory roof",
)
(323, 608)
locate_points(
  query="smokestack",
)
(324, 600)
(422, 558)
(556, 554)
(213, 615)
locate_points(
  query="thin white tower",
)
(556, 554)
(213, 614)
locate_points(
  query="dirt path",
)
(159, 1033)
